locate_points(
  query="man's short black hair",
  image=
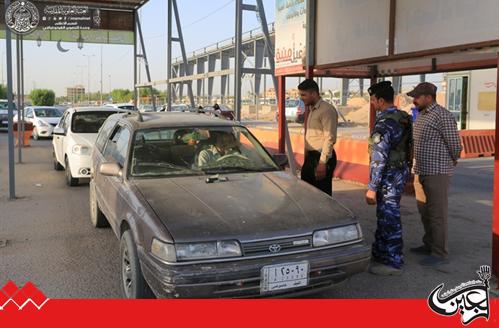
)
(309, 85)
(382, 90)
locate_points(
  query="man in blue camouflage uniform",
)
(390, 149)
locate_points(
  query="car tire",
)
(70, 181)
(97, 218)
(57, 165)
(35, 134)
(133, 284)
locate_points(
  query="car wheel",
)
(97, 218)
(57, 165)
(35, 134)
(133, 284)
(70, 181)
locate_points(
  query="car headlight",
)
(337, 235)
(163, 251)
(43, 123)
(198, 251)
(81, 150)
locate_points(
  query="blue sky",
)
(205, 22)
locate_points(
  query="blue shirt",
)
(387, 134)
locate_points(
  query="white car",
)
(74, 138)
(4, 113)
(124, 106)
(43, 118)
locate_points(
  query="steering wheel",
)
(232, 156)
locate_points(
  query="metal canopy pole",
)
(8, 50)
(238, 59)
(180, 39)
(169, 56)
(18, 74)
(495, 218)
(135, 93)
(144, 55)
(20, 111)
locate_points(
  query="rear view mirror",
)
(110, 170)
(59, 131)
(281, 159)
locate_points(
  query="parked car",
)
(146, 108)
(295, 111)
(4, 113)
(202, 210)
(220, 111)
(176, 108)
(74, 138)
(43, 118)
(123, 106)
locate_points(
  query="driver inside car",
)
(226, 144)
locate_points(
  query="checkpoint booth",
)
(374, 39)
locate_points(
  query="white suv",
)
(74, 138)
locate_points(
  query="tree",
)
(42, 97)
(3, 92)
(121, 95)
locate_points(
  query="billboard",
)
(290, 36)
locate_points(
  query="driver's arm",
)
(204, 158)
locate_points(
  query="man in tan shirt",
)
(321, 123)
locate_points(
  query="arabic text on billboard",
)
(291, 36)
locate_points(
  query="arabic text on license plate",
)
(284, 276)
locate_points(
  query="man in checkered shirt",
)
(437, 148)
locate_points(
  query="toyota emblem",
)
(275, 248)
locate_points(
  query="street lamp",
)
(88, 57)
(80, 41)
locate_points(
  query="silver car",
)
(202, 210)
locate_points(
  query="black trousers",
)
(308, 171)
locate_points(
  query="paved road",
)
(50, 240)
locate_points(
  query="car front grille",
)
(277, 246)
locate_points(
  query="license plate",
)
(284, 276)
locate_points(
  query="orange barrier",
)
(353, 156)
(477, 143)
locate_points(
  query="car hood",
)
(87, 139)
(246, 207)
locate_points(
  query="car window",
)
(200, 150)
(29, 113)
(89, 122)
(117, 146)
(65, 122)
(104, 133)
(47, 112)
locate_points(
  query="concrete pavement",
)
(49, 239)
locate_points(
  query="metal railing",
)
(249, 35)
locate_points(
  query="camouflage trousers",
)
(388, 244)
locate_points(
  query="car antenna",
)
(140, 118)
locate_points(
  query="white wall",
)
(481, 81)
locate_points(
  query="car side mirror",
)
(58, 131)
(281, 159)
(111, 170)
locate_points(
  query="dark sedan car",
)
(202, 210)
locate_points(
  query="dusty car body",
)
(191, 233)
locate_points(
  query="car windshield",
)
(89, 122)
(291, 103)
(47, 112)
(197, 151)
(5, 105)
